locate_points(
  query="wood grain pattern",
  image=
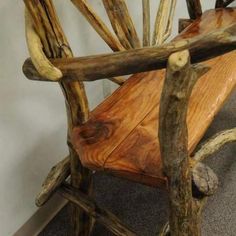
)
(121, 135)
(122, 23)
(146, 22)
(173, 137)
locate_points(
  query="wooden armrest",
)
(92, 68)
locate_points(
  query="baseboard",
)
(42, 217)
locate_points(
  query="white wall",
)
(32, 114)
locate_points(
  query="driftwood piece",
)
(98, 24)
(146, 22)
(214, 144)
(184, 23)
(164, 21)
(151, 58)
(55, 45)
(122, 23)
(161, 22)
(170, 20)
(57, 175)
(35, 47)
(173, 137)
(204, 180)
(102, 216)
(223, 3)
(194, 8)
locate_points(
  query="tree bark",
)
(146, 23)
(150, 58)
(173, 137)
(57, 175)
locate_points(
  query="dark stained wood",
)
(194, 8)
(101, 215)
(184, 23)
(223, 3)
(120, 137)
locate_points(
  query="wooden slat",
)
(122, 23)
(146, 23)
(121, 136)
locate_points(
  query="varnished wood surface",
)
(121, 135)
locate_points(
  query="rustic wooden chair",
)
(120, 136)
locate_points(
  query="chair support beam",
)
(173, 136)
(57, 175)
(102, 216)
(139, 60)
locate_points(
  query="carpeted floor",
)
(145, 209)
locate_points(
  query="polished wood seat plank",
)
(121, 135)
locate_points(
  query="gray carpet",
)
(145, 209)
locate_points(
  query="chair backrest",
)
(44, 27)
(126, 36)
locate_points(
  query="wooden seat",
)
(121, 135)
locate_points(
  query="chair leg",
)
(173, 137)
(81, 179)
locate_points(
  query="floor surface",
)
(145, 209)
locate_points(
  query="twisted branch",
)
(214, 144)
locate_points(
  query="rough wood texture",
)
(184, 23)
(98, 24)
(170, 20)
(146, 23)
(204, 180)
(122, 23)
(160, 23)
(57, 175)
(214, 144)
(150, 58)
(120, 137)
(102, 216)
(164, 21)
(194, 8)
(173, 136)
(56, 45)
(42, 64)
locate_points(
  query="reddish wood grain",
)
(121, 135)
